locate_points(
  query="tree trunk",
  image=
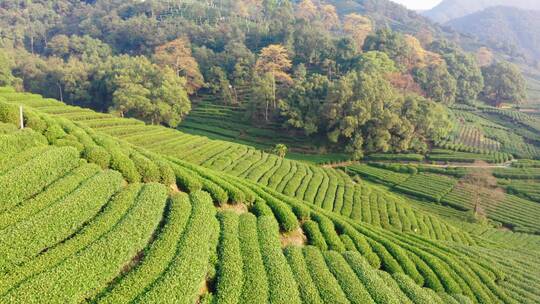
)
(60, 91)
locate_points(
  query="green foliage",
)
(327, 285)
(157, 256)
(281, 284)
(503, 83)
(437, 83)
(9, 113)
(308, 290)
(97, 155)
(180, 283)
(28, 179)
(255, 288)
(351, 285)
(229, 272)
(314, 235)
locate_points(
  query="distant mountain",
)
(452, 9)
(512, 30)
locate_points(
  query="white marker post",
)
(21, 117)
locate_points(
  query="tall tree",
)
(503, 83)
(274, 61)
(177, 55)
(359, 27)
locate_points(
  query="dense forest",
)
(352, 77)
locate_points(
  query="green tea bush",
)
(89, 271)
(157, 257)
(32, 177)
(327, 285)
(351, 286)
(281, 283)
(308, 290)
(148, 170)
(255, 288)
(181, 282)
(123, 164)
(314, 235)
(230, 278)
(97, 155)
(9, 113)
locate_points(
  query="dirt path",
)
(507, 164)
(341, 164)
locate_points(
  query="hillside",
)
(452, 9)
(324, 238)
(511, 30)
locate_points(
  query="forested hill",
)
(452, 9)
(367, 76)
(512, 30)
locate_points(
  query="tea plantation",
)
(100, 209)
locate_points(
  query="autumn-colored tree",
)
(358, 27)
(248, 8)
(274, 61)
(329, 16)
(177, 55)
(419, 56)
(484, 57)
(306, 10)
(425, 36)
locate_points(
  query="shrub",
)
(308, 291)
(353, 288)
(230, 277)
(9, 113)
(123, 164)
(327, 285)
(281, 283)
(97, 155)
(157, 256)
(314, 235)
(148, 170)
(255, 288)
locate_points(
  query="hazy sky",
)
(418, 4)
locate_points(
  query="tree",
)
(141, 89)
(274, 61)
(329, 16)
(393, 44)
(358, 27)
(484, 57)
(484, 188)
(6, 76)
(302, 107)
(464, 69)
(177, 55)
(503, 83)
(437, 83)
(306, 10)
(280, 150)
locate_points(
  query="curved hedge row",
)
(181, 282)
(156, 258)
(281, 284)
(230, 277)
(308, 290)
(28, 238)
(86, 273)
(327, 285)
(28, 179)
(255, 288)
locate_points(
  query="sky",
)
(418, 4)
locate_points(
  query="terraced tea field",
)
(161, 198)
